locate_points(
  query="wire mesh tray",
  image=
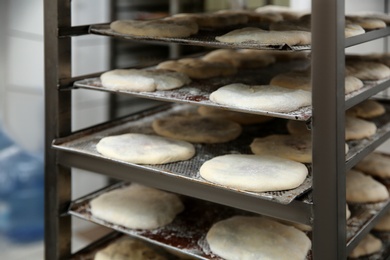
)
(202, 38)
(85, 142)
(186, 233)
(198, 91)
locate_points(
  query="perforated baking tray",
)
(202, 38)
(198, 91)
(85, 142)
(186, 233)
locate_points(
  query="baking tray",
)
(188, 230)
(84, 142)
(186, 233)
(383, 128)
(89, 252)
(202, 38)
(198, 91)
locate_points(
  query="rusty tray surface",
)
(202, 38)
(85, 142)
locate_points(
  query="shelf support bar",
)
(328, 41)
(57, 123)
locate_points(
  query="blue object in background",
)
(21, 192)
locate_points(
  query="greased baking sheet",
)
(85, 143)
(202, 38)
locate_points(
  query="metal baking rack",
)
(327, 201)
(202, 38)
(85, 142)
(187, 232)
(198, 91)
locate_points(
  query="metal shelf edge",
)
(296, 211)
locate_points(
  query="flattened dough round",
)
(137, 206)
(241, 58)
(257, 35)
(254, 238)
(254, 172)
(361, 188)
(375, 164)
(128, 248)
(143, 80)
(156, 28)
(261, 97)
(198, 68)
(293, 147)
(238, 117)
(197, 129)
(302, 80)
(367, 109)
(384, 223)
(356, 128)
(367, 246)
(145, 149)
(367, 70)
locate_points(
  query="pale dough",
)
(156, 28)
(302, 80)
(355, 128)
(257, 35)
(361, 188)
(286, 12)
(143, 80)
(261, 97)
(238, 117)
(254, 172)
(215, 20)
(254, 238)
(375, 164)
(367, 246)
(197, 129)
(293, 147)
(367, 70)
(366, 23)
(128, 248)
(241, 58)
(198, 68)
(145, 149)
(137, 207)
(367, 109)
(384, 223)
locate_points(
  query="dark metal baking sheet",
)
(85, 142)
(202, 38)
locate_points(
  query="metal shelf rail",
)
(326, 213)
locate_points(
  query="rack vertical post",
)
(328, 54)
(57, 14)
